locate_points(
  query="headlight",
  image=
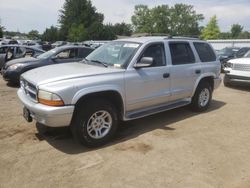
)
(229, 65)
(50, 99)
(14, 67)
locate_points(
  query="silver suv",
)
(122, 80)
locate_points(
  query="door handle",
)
(198, 71)
(166, 75)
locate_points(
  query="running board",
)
(153, 110)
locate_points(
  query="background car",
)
(13, 69)
(242, 51)
(237, 70)
(58, 44)
(9, 52)
(225, 54)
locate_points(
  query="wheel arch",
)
(111, 95)
(205, 78)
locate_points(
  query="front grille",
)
(29, 89)
(241, 67)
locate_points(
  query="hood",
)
(240, 61)
(21, 61)
(66, 71)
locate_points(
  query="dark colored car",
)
(242, 51)
(66, 54)
(227, 53)
(10, 52)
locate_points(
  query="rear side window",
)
(181, 53)
(205, 52)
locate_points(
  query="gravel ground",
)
(178, 148)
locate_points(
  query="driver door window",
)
(157, 52)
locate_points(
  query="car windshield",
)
(228, 51)
(46, 54)
(116, 53)
(247, 54)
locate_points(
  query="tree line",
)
(79, 20)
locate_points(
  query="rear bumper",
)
(47, 115)
(217, 82)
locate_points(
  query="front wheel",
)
(95, 123)
(202, 97)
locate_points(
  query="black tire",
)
(226, 81)
(82, 119)
(196, 102)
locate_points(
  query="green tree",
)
(236, 29)
(33, 34)
(78, 15)
(77, 33)
(1, 30)
(141, 20)
(180, 19)
(225, 35)
(184, 20)
(212, 30)
(108, 32)
(51, 34)
(244, 35)
(121, 29)
(161, 19)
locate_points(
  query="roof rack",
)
(165, 35)
(150, 35)
(184, 37)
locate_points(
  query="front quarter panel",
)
(73, 89)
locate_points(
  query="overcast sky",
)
(24, 15)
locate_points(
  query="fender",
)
(96, 89)
(204, 75)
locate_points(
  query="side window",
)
(67, 54)
(205, 52)
(20, 51)
(181, 53)
(73, 53)
(3, 50)
(157, 52)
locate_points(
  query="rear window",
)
(205, 52)
(181, 53)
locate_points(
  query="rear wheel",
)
(95, 123)
(202, 97)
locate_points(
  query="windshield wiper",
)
(99, 62)
(86, 61)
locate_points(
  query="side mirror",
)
(144, 62)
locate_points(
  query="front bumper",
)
(47, 115)
(10, 76)
(238, 76)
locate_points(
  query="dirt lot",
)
(177, 148)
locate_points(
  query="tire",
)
(202, 97)
(95, 123)
(226, 81)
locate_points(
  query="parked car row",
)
(10, 52)
(12, 70)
